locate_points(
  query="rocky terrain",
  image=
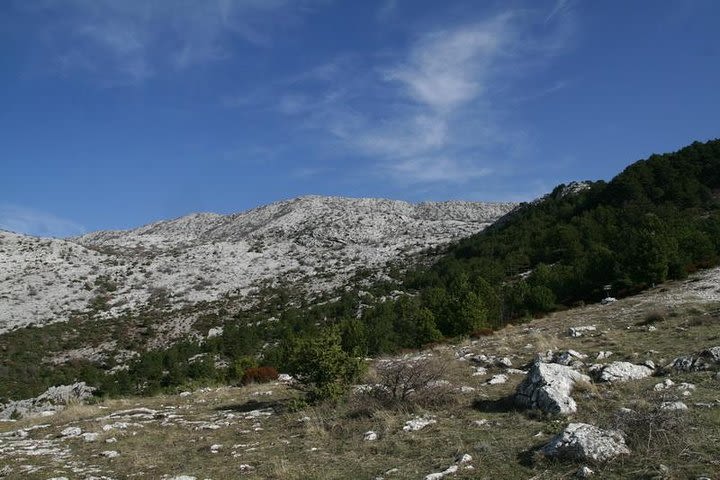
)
(312, 243)
(628, 389)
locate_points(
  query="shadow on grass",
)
(278, 406)
(530, 457)
(498, 405)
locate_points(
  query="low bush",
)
(259, 375)
(409, 382)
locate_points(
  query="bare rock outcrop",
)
(52, 400)
(586, 443)
(548, 386)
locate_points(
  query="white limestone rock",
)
(623, 372)
(90, 437)
(673, 406)
(71, 432)
(498, 379)
(580, 331)
(548, 386)
(584, 472)
(584, 442)
(370, 436)
(418, 424)
(51, 400)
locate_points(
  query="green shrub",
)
(321, 367)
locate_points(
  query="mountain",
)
(314, 244)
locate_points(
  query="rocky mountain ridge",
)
(315, 243)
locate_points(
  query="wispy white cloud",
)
(34, 222)
(429, 113)
(451, 67)
(126, 42)
(437, 169)
(560, 8)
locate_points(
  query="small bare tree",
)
(402, 381)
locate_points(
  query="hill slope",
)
(313, 243)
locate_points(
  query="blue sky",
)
(116, 113)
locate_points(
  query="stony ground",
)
(467, 428)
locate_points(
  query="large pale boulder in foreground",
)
(586, 443)
(548, 386)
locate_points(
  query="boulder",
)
(547, 387)
(622, 372)
(586, 443)
(703, 360)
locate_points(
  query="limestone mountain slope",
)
(313, 243)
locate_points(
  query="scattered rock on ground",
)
(576, 332)
(370, 436)
(90, 437)
(437, 476)
(673, 406)
(568, 358)
(584, 472)
(71, 432)
(498, 379)
(418, 424)
(703, 360)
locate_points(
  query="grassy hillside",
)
(261, 427)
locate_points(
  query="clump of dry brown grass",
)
(653, 317)
(652, 431)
